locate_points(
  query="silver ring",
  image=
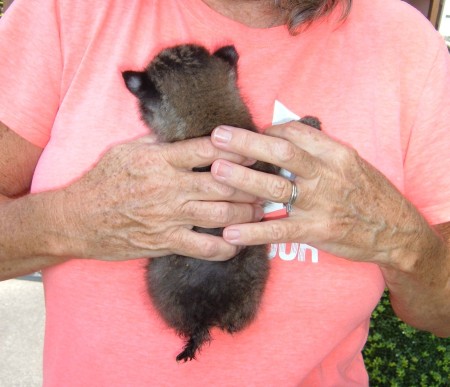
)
(293, 198)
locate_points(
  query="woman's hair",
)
(301, 13)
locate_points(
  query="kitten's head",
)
(185, 91)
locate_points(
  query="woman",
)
(379, 86)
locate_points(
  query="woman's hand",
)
(142, 200)
(344, 205)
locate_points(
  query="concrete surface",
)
(21, 333)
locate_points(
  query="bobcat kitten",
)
(186, 92)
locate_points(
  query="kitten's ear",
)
(139, 84)
(228, 54)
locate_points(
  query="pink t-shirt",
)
(378, 81)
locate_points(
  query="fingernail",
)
(232, 235)
(222, 135)
(222, 169)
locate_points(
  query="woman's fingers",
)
(270, 187)
(219, 214)
(202, 186)
(278, 151)
(197, 152)
(202, 246)
(275, 231)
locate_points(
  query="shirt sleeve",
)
(30, 68)
(427, 158)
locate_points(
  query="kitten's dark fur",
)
(186, 92)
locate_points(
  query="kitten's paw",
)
(311, 121)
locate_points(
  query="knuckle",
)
(205, 150)
(245, 140)
(169, 152)
(188, 210)
(225, 191)
(192, 183)
(172, 240)
(292, 129)
(222, 191)
(285, 151)
(315, 169)
(222, 212)
(175, 154)
(286, 231)
(210, 248)
(307, 199)
(277, 232)
(279, 189)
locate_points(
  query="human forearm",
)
(17, 268)
(420, 292)
(27, 234)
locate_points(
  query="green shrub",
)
(398, 355)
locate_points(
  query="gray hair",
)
(301, 13)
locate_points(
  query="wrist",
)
(47, 225)
(23, 228)
(42, 228)
(61, 214)
(420, 289)
(422, 257)
(403, 239)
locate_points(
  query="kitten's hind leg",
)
(194, 344)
